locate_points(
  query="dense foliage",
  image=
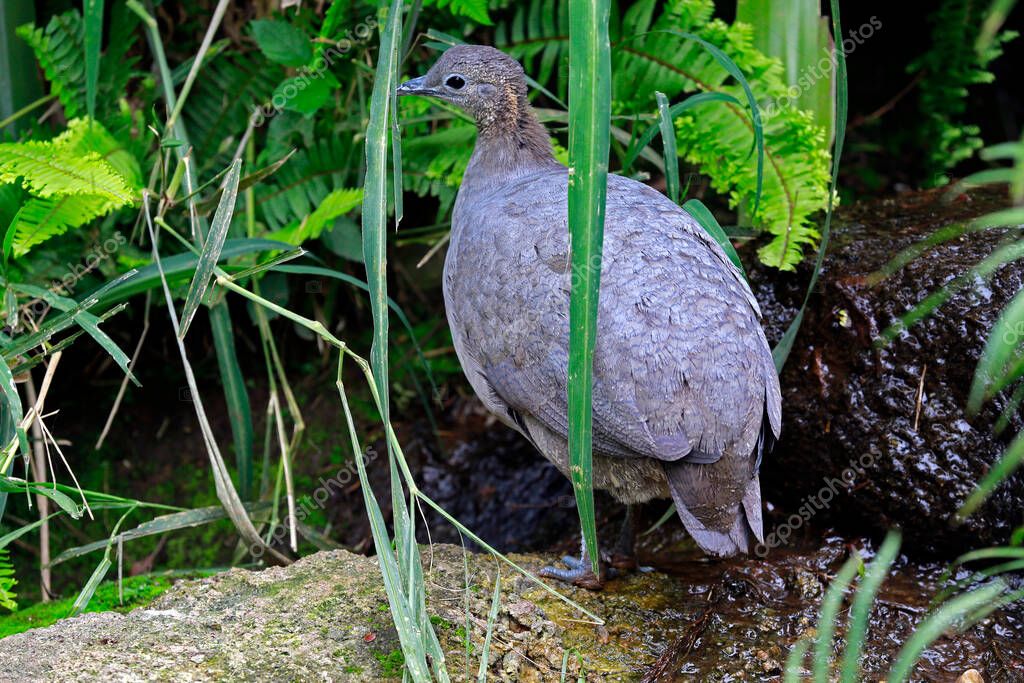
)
(166, 180)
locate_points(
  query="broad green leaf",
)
(306, 94)
(336, 204)
(282, 42)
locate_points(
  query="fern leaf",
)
(48, 170)
(222, 100)
(949, 68)
(59, 48)
(39, 219)
(334, 205)
(84, 136)
(304, 182)
(718, 137)
(80, 175)
(7, 582)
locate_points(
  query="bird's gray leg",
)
(578, 570)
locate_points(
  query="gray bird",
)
(685, 395)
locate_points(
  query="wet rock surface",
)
(891, 420)
(326, 618)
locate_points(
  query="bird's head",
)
(483, 81)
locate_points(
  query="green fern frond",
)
(39, 219)
(717, 137)
(434, 164)
(305, 181)
(948, 69)
(84, 136)
(59, 48)
(47, 170)
(222, 101)
(336, 204)
(539, 28)
(7, 582)
(80, 175)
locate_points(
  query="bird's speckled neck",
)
(510, 144)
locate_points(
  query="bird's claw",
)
(579, 573)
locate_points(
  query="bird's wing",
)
(679, 367)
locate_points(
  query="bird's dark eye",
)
(455, 82)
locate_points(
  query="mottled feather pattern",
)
(685, 392)
(682, 370)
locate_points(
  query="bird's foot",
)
(578, 572)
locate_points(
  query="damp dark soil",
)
(881, 430)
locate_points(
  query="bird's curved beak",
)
(415, 86)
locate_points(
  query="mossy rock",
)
(326, 618)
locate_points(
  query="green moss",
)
(441, 622)
(392, 664)
(138, 591)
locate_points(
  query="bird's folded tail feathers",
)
(740, 523)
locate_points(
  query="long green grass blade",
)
(93, 17)
(707, 220)
(181, 268)
(13, 401)
(849, 668)
(401, 613)
(82, 601)
(492, 616)
(1001, 360)
(934, 626)
(1007, 464)
(212, 249)
(375, 197)
(782, 350)
(675, 110)
(87, 321)
(794, 662)
(236, 398)
(175, 521)
(755, 111)
(7, 539)
(668, 139)
(589, 140)
(54, 493)
(226, 492)
(828, 615)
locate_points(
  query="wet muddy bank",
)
(881, 432)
